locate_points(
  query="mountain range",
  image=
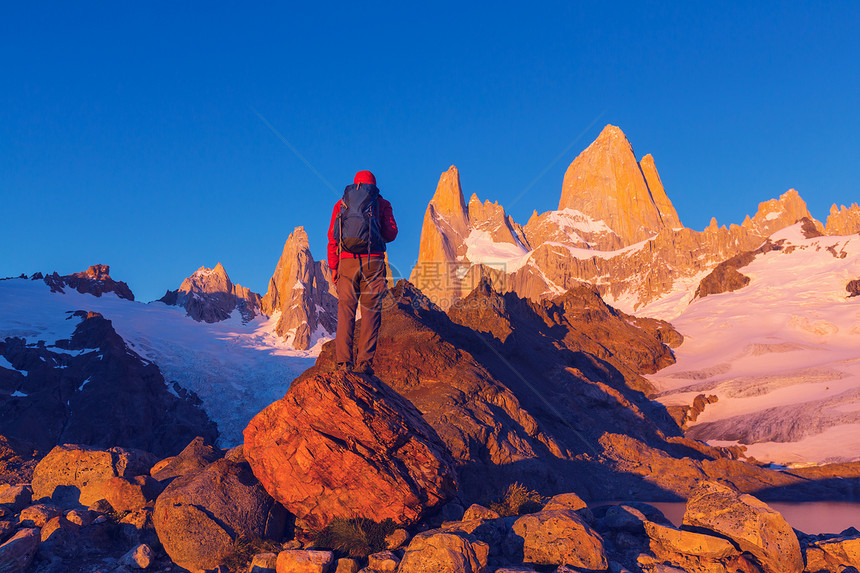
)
(769, 330)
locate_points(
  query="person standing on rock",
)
(362, 222)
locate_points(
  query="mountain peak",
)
(448, 201)
(606, 183)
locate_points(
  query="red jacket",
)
(388, 227)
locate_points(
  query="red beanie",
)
(364, 177)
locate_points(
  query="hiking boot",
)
(344, 367)
(364, 368)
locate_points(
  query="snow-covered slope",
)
(236, 369)
(782, 354)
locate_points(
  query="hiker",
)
(361, 223)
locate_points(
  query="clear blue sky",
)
(128, 134)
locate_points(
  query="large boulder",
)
(445, 552)
(73, 474)
(693, 552)
(340, 445)
(557, 537)
(748, 522)
(200, 515)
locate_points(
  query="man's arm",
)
(333, 255)
(389, 225)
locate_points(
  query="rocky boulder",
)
(749, 523)
(342, 445)
(74, 474)
(445, 552)
(693, 552)
(557, 537)
(200, 515)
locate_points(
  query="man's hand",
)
(334, 276)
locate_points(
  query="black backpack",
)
(357, 229)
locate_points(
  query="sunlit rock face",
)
(301, 294)
(210, 296)
(615, 228)
(607, 184)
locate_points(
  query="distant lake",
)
(808, 516)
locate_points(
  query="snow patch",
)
(787, 339)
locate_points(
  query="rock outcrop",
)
(200, 515)
(341, 445)
(748, 522)
(549, 394)
(301, 294)
(210, 296)
(725, 276)
(93, 389)
(95, 281)
(843, 220)
(72, 474)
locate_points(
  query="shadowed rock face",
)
(343, 445)
(725, 276)
(95, 281)
(93, 390)
(210, 296)
(549, 394)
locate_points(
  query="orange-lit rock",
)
(606, 183)
(210, 296)
(342, 445)
(302, 293)
(843, 220)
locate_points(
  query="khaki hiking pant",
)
(359, 280)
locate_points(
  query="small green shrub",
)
(244, 549)
(356, 538)
(518, 500)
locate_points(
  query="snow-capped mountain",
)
(235, 367)
(781, 354)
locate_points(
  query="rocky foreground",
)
(118, 510)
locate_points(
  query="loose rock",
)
(15, 497)
(304, 561)
(445, 552)
(558, 537)
(383, 562)
(140, 557)
(339, 445)
(38, 515)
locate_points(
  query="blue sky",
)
(128, 132)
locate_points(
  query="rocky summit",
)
(209, 295)
(301, 295)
